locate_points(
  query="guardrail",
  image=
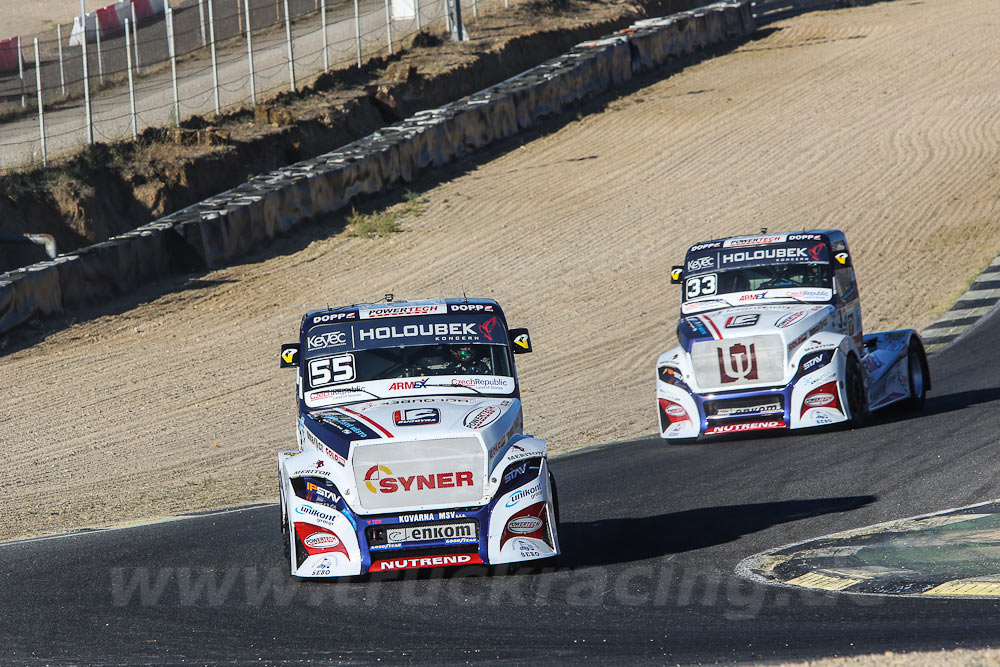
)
(44, 240)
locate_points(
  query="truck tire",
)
(857, 395)
(916, 365)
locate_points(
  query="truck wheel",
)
(857, 397)
(555, 498)
(916, 366)
(286, 549)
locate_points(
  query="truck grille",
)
(753, 406)
(738, 362)
(400, 475)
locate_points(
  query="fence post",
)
(135, 35)
(388, 25)
(88, 116)
(173, 63)
(458, 31)
(253, 86)
(131, 85)
(322, 22)
(201, 21)
(41, 115)
(62, 72)
(416, 8)
(215, 62)
(20, 70)
(357, 31)
(291, 53)
(475, 10)
(100, 57)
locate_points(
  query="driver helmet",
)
(463, 353)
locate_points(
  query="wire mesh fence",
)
(198, 57)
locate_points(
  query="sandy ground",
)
(32, 17)
(959, 658)
(882, 120)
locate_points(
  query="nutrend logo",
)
(739, 364)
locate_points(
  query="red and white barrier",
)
(110, 20)
(10, 54)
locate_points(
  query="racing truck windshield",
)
(757, 278)
(361, 361)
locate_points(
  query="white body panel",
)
(768, 356)
(415, 471)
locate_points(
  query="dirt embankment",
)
(108, 189)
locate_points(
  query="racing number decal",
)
(700, 286)
(331, 370)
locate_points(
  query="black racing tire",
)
(286, 548)
(857, 395)
(555, 498)
(919, 377)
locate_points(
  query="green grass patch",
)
(380, 224)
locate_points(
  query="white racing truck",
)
(410, 451)
(770, 338)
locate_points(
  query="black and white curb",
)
(830, 563)
(979, 300)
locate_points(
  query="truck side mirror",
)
(520, 341)
(289, 355)
(676, 275)
(842, 259)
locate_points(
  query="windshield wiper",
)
(793, 298)
(453, 386)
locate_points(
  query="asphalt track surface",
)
(651, 534)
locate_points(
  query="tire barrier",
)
(110, 20)
(10, 54)
(227, 226)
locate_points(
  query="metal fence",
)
(197, 57)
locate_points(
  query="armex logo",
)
(408, 384)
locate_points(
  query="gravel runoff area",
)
(959, 658)
(882, 120)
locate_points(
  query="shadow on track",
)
(611, 541)
(938, 405)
